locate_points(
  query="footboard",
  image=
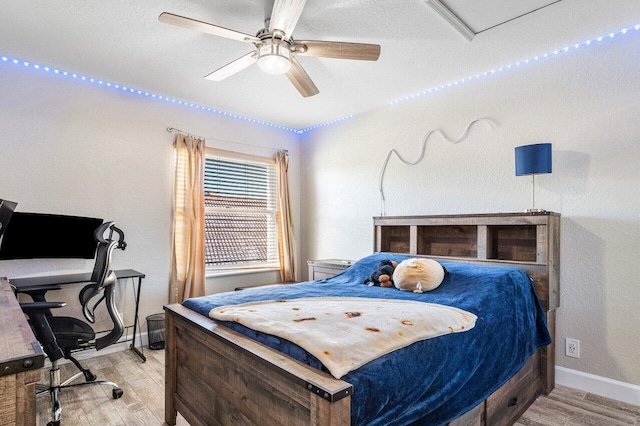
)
(215, 376)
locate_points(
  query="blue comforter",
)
(433, 381)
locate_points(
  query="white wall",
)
(74, 148)
(586, 103)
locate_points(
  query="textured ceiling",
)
(122, 41)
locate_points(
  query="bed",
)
(224, 373)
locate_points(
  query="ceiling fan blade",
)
(233, 67)
(336, 49)
(192, 24)
(268, 8)
(298, 76)
(285, 15)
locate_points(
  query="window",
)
(240, 212)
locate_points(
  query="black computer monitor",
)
(6, 211)
(49, 236)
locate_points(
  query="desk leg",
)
(135, 326)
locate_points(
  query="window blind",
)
(240, 213)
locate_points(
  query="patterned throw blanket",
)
(345, 333)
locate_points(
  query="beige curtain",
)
(187, 257)
(286, 236)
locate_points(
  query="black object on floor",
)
(155, 328)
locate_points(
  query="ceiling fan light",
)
(274, 59)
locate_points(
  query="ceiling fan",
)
(276, 49)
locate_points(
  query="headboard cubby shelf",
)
(528, 240)
(447, 240)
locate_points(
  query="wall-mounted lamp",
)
(532, 160)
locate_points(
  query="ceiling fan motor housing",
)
(274, 56)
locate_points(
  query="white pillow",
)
(410, 272)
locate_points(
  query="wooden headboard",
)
(530, 241)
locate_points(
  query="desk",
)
(85, 277)
(21, 359)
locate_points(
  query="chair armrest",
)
(40, 306)
(37, 292)
(37, 313)
(38, 288)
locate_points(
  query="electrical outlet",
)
(572, 348)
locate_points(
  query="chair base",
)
(55, 387)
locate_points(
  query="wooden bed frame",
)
(216, 376)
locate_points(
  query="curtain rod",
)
(171, 129)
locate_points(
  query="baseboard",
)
(609, 388)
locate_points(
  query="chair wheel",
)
(55, 423)
(89, 376)
(117, 393)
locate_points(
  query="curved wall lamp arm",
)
(424, 147)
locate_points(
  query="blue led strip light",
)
(134, 91)
(326, 123)
(550, 54)
(130, 90)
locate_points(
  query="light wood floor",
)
(143, 400)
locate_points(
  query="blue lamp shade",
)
(533, 159)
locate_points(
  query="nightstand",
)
(319, 269)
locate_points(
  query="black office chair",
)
(60, 335)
